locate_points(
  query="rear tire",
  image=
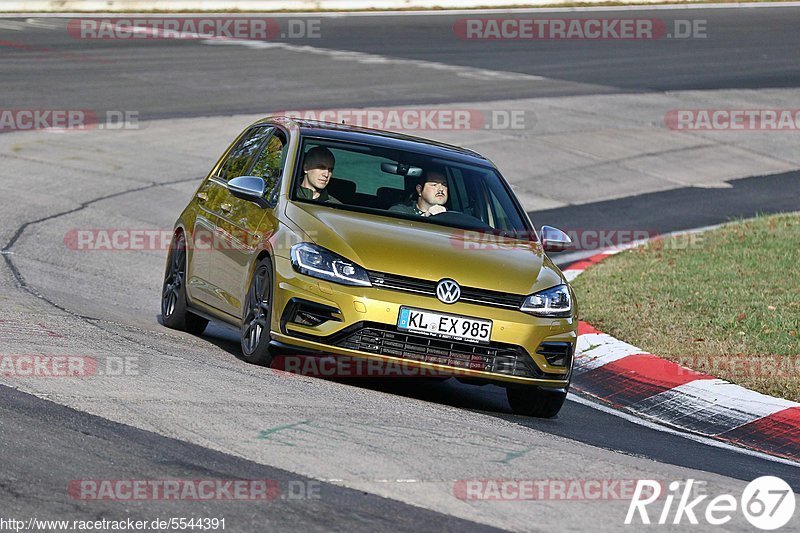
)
(257, 316)
(174, 312)
(536, 401)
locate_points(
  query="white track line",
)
(348, 55)
(700, 399)
(372, 59)
(12, 25)
(598, 349)
(691, 436)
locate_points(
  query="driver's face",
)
(434, 190)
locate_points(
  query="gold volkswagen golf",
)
(319, 239)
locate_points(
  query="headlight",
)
(317, 262)
(554, 302)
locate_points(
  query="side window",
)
(457, 191)
(499, 214)
(242, 155)
(503, 215)
(270, 163)
(475, 201)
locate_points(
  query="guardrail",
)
(107, 6)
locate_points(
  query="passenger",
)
(317, 173)
(429, 198)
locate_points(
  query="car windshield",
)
(406, 184)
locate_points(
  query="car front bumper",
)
(360, 322)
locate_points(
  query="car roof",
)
(387, 139)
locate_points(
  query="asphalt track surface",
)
(107, 446)
(743, 49)
(45, 68)
(684, 208)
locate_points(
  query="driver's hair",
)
(434, 169)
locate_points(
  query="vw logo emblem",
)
(448, 291)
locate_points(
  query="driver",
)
(431, 195)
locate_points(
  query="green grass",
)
(725, 302)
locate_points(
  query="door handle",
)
(202, 196)
(226, 207)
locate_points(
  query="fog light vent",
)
(305, 318)
(310, 314)
(556, 353)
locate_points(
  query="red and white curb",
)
(630, 379)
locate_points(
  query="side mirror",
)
(250, 188)
(554, 240)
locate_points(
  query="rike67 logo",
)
(767, 502)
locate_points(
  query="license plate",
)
(444, 326)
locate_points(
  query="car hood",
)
(428, 251)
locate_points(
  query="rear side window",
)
(239, 160)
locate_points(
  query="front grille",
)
(496, 358)
(428, 288)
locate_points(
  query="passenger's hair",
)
(316, 154)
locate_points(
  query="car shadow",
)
(486, 399)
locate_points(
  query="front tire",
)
(257, 316)
(536, 401)
(174, 312)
